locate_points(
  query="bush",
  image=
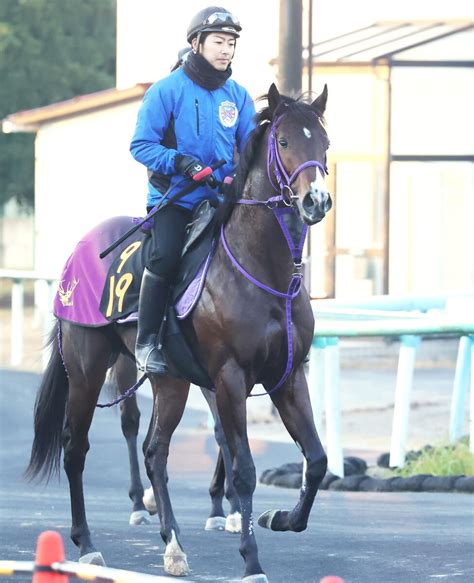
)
(444, 460)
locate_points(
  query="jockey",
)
(188, 120)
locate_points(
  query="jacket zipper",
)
(196, 103)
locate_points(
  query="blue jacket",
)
(179, 116)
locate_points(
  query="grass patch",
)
(443, 460)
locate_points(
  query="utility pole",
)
(310, 46)
(290, 57)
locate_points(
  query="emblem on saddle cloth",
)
(65, 295)
(228, 113)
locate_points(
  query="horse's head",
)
(297, 149)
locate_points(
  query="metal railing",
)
(408, 318)
(45, 289)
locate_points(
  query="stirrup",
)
(151, 364)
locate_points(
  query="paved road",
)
(376, 538)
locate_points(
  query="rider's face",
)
(218, 49)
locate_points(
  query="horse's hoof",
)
(260, 578)
(175, 561)
(233, 523)
(94, 558)
(265, 520)
(139, 517)
(149, 501)
(215, 523)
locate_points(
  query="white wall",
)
(84, 174)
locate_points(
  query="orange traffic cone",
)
(49, 549)
(331, 579)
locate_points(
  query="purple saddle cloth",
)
(84, 277)
(82, 281)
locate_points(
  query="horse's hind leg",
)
(86, 353)
(169, 399)
(293, 404)
(216, 520)
(125, 376)
(222, 480)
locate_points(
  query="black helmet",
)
(213, 19)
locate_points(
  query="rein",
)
(126, 395)
(275, 166)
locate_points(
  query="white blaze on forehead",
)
(307, 133)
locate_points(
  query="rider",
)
(188, 120)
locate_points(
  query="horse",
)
(122, 376)
(253, 324)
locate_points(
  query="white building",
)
(84, 172)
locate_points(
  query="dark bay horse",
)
(253, 324)
(123, 376)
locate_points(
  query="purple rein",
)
(276, 167)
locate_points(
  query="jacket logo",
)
(65, 295)
(228, 113)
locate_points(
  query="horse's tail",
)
(49, 415)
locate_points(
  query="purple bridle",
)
(275, 166)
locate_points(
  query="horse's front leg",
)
(222, 483)
(125, 375)
(171, 395)
(293, 404)
(231, 402)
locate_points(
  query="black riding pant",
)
(168, 234)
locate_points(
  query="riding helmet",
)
(213, 19)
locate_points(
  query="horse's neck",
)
(255, 237)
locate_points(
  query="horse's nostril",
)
(308, 202)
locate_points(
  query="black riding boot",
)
(151, 311)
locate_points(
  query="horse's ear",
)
(274, 98)
(319, 104)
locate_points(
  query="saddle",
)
(96, 292)
(122, 285)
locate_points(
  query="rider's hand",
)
(192, 167)
(227, 186)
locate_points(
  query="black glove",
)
(191, 167)
(187, 165)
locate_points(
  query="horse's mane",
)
(248, 156)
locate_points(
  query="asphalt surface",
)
(360, 537)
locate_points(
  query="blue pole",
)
(333, 408)
(460, 388)
(401, 412)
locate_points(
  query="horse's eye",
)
(283, 143)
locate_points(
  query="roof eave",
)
(32, 120)
(11, 127)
